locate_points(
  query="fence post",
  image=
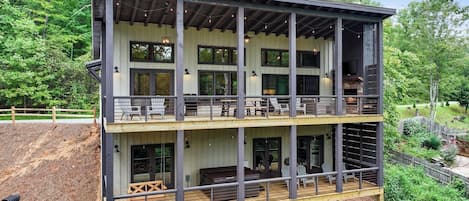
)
(13, 115)
(54, 115)
(94, 116)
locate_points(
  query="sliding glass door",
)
(145, 82)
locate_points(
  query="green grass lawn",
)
(443, 115)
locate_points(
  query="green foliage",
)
(410, 183)
(434, 142)
(449, 153)
(417, 141)
(454, 116)
(42, 51)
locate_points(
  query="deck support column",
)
(292, 92)
(339, 105)
(108, 57)
(180, 165)
(179, 99)
(240, 166)
(240, 102)
(102, 112)
(338, 157)
(380, 126)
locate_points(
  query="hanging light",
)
(145, 14)
(313, 32)
(265, 26)
(210, 19)
(358, 36)
(315, 51)
(165, 40)
(247, 38)
(254, 74)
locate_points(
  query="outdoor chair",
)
(280, 108)
(157, 107)
(128, 110)
(326, 168)
(347, 175)
(301, 170)
(300, 106)
(286, 173)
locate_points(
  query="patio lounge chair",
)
(301, 170)
(156, 107)
(280, 108)
(286, 173)
(300, 106)
(347, 175)
(326, 168)
(128, 110)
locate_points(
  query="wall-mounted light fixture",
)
(247, 38)
(326, 75)
(116, 147)
(116, 69)
(186, 71)
(253, 74)
(187, 143)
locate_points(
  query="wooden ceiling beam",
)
(302, 20)
(165, 14)
(204, 21)
(326, 26)
(227, 14)
(256, 27)
(306, 27)
(277, 22)
(150, 14)
(134, 12)
(118, 11)
(351, 25)
(193, 16)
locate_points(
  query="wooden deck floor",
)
(279, 191)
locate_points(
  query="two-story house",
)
(240, 100)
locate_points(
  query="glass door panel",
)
(163, 84)
(267, 156)
(141, 84)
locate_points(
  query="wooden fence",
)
(436, 128)
(440, 174)
(53, 113)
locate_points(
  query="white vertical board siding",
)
(124, 33)
(208, 148)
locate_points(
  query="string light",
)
(330, 26)
(185, 11)
(232, 15)
(313, 31)
(286, 21)
(117, 4)
(358, 35)
(145, 14)
(265, 26)
(171, 9)
(210, 19)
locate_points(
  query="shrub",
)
(411, 127)
(449, 154)
(433, 142)
(414, 106)
(459, 185)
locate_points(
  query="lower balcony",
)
(157, 113)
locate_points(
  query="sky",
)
(399, 4)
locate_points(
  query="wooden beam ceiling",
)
(227, 14)
(207, 18)
(118, 11)
(165, 13)
(134, 12)
(150, 14)
(194, 15)
(276, 22)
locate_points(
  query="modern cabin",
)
(240, 100)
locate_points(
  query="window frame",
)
(297, 79)
(299, 59)
(151, 57)
(231, 60)
(213, 81)
(299, 56)
(152, 162)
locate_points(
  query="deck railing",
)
(163, 108)
(53, 113)
(209, 190)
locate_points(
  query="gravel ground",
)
(50, 162)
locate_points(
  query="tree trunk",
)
(433, 99)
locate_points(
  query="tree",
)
(430, 28)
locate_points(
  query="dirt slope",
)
(47, 162)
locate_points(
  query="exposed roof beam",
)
(306, 27)
(222, 19)
(276, 23)
(326, 26)
(297, 23)
(351, 25)
(204, 21)
(134, 12)
(255, 27)
(118, 11)
(165, 14)
(193, 16)
(150, 14)
(254, 15)
(229, 24)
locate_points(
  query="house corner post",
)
(240, 165)
(240, 102)
(292, 91)
(380, 125)
(293, 163)
(108, 56)
(338, 66)
(180, 99)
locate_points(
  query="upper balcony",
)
(328, 72)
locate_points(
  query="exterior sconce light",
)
(116, 69)
(247, 38)
(116, 147)
(254, 74)
(186, 72)
(326, 75)
(165, 40)
(187, 145)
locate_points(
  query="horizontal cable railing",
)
(361, 104)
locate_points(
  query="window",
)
(308, 59)
(280, 58)
(153, 162)
(278, 84)
(218, 55)
(151, 52)
(151, 82)
(217, 83)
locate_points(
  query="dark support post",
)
(179, 99)
(292, 87)
(380, 128)
(338, 157)
(240, 103)
(292, 63)
(240, 168)
(180, 165)
(108, 50)
(179, 60)
(338, 66)
(240, 61)
(293, 163)
(103, 105)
